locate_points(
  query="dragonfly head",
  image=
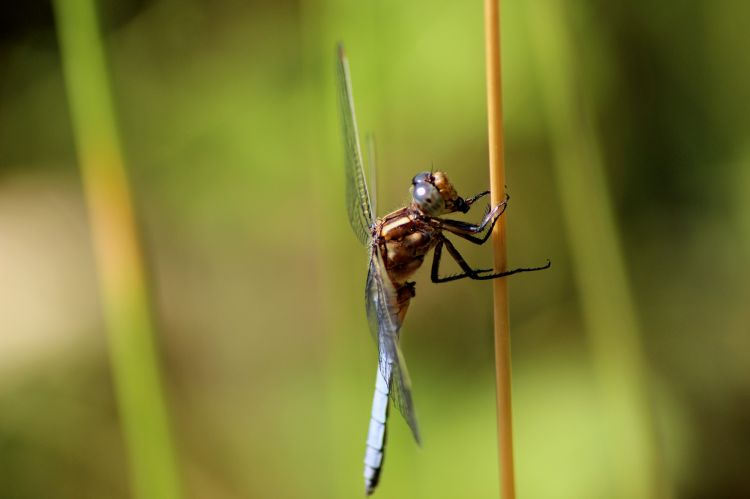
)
(434, 194)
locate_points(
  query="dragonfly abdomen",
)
(376, 435)
(404, 293)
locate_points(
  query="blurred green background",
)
(628, 159)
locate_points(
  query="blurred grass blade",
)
(123, 289)
(608, 308)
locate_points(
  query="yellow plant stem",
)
(500, 286)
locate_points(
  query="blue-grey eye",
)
(427, 197)
(421, 177)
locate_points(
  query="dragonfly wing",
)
(372, 162)
(382, 314)
(358, 201)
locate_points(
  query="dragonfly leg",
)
(435, 273)
(476, 197)
(476, 274)
(465, 230)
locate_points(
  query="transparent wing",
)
(382, 313)
(373, 163)
(357, 198)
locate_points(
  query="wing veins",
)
(382, 315)
(358, 202)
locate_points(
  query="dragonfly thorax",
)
(404, 239)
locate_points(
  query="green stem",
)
(122, 281)
(607, 305)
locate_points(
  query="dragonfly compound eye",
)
(427, 198)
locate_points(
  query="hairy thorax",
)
(404, 241)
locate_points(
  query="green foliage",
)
(227, 120)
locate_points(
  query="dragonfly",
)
(397, 245)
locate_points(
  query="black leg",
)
(475, 198)
(476, 274)
(465, 230)
(435, 274)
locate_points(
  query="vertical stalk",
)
(600, 271)
(122, 282)
(500, 286)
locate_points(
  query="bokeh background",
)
(628, 158)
